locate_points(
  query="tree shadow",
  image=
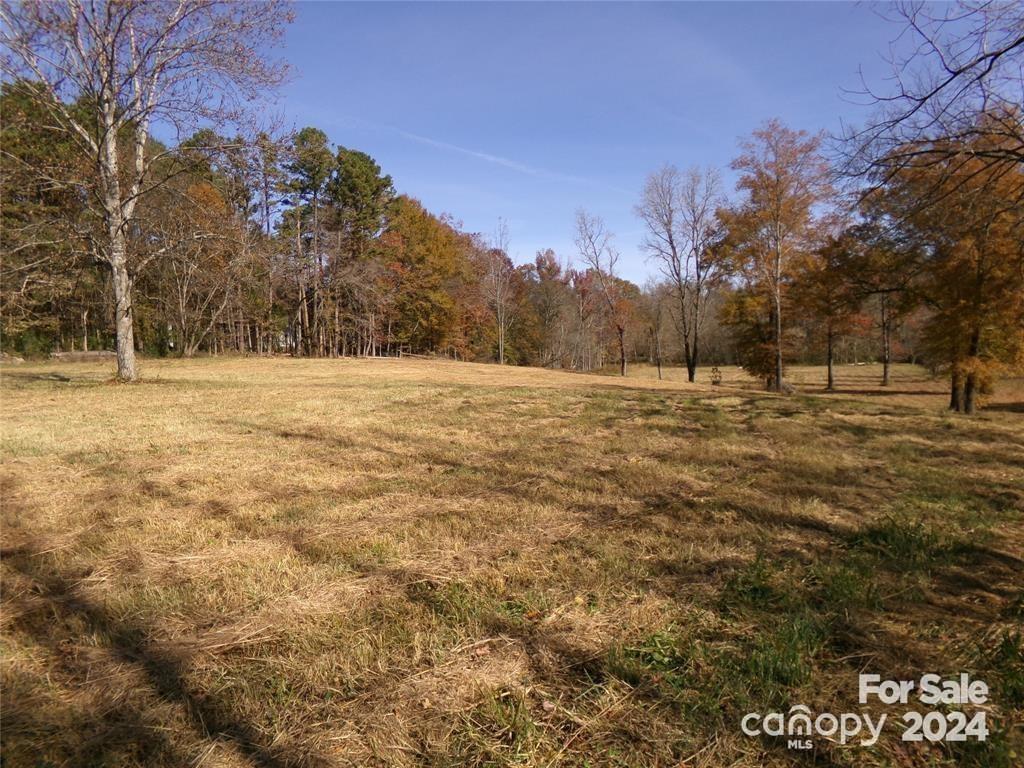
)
(1003, 408)
(881, 392)
(58, 605)
(48, 377)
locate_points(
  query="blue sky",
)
(529, 111)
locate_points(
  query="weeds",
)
(903, 544)
(781, 658)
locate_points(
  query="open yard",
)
(251, 562)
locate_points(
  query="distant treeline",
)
(907, 244)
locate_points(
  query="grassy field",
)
(316, 563)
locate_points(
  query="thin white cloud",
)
(487, 157)
(505, 162)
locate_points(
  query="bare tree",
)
(585, 294)
(682, 229)
(594, 244)
(107, 72)
(499, 285)
(657, 297)
(960, 83)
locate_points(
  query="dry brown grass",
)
(912, 385)
(286, 562)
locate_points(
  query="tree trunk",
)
(657, 350)
(971, 384)
(303, 320)
(318, 277)
(691, 368)
(955, 391)
(116, 218)
(831, 367)
(778, 340)
(691, 365)
(970, 388)
(622, 350)
(690, 356)
(684, 330)
(336, 338)
(85, 330)
(886, 343)
(777, 308)
(123, 324)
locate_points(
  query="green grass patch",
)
(781, 658)
(499, 731)
(903, 544)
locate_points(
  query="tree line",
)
(904, 241)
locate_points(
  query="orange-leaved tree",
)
(785, 181)
(972, 277)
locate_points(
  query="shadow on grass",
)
(126, 728)
(882, 392)
(1003, 408)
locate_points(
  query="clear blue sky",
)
(529, 111)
